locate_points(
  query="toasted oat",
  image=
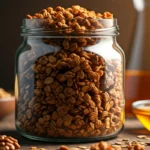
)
(33, 148)
(142, 136)
(125, 139)
(116, 146)
(119, 140)
(142, 143)
(124, 146)
(82, 147)
(75, 148)
(147, 138)
(118, 143)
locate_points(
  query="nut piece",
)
(137, 146)
(8, 143)
(104, 146)
(63, 147)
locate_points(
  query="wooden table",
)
(7, 127)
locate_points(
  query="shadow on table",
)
(22, 140)
(29, 142)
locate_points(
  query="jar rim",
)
(36, 27)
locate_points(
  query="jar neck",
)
(37, 27)
(40, 38)
(36, 40)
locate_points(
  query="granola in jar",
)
(70, 76)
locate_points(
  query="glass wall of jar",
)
(69, 85)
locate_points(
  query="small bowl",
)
(7, 106)
(141, 109)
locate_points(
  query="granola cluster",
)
(66, 90)
(75, 18)
(69, 13)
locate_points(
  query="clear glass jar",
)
(69, 86)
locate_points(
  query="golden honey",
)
(137, 87)
(142, 112)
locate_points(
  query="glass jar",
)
(69, 86)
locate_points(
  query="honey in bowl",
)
(142, 111)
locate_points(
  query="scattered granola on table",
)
(10, 143)
(106, 146)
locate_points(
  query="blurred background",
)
(13, 12)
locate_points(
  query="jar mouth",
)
(40, 27)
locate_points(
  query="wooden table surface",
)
(131, 130)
